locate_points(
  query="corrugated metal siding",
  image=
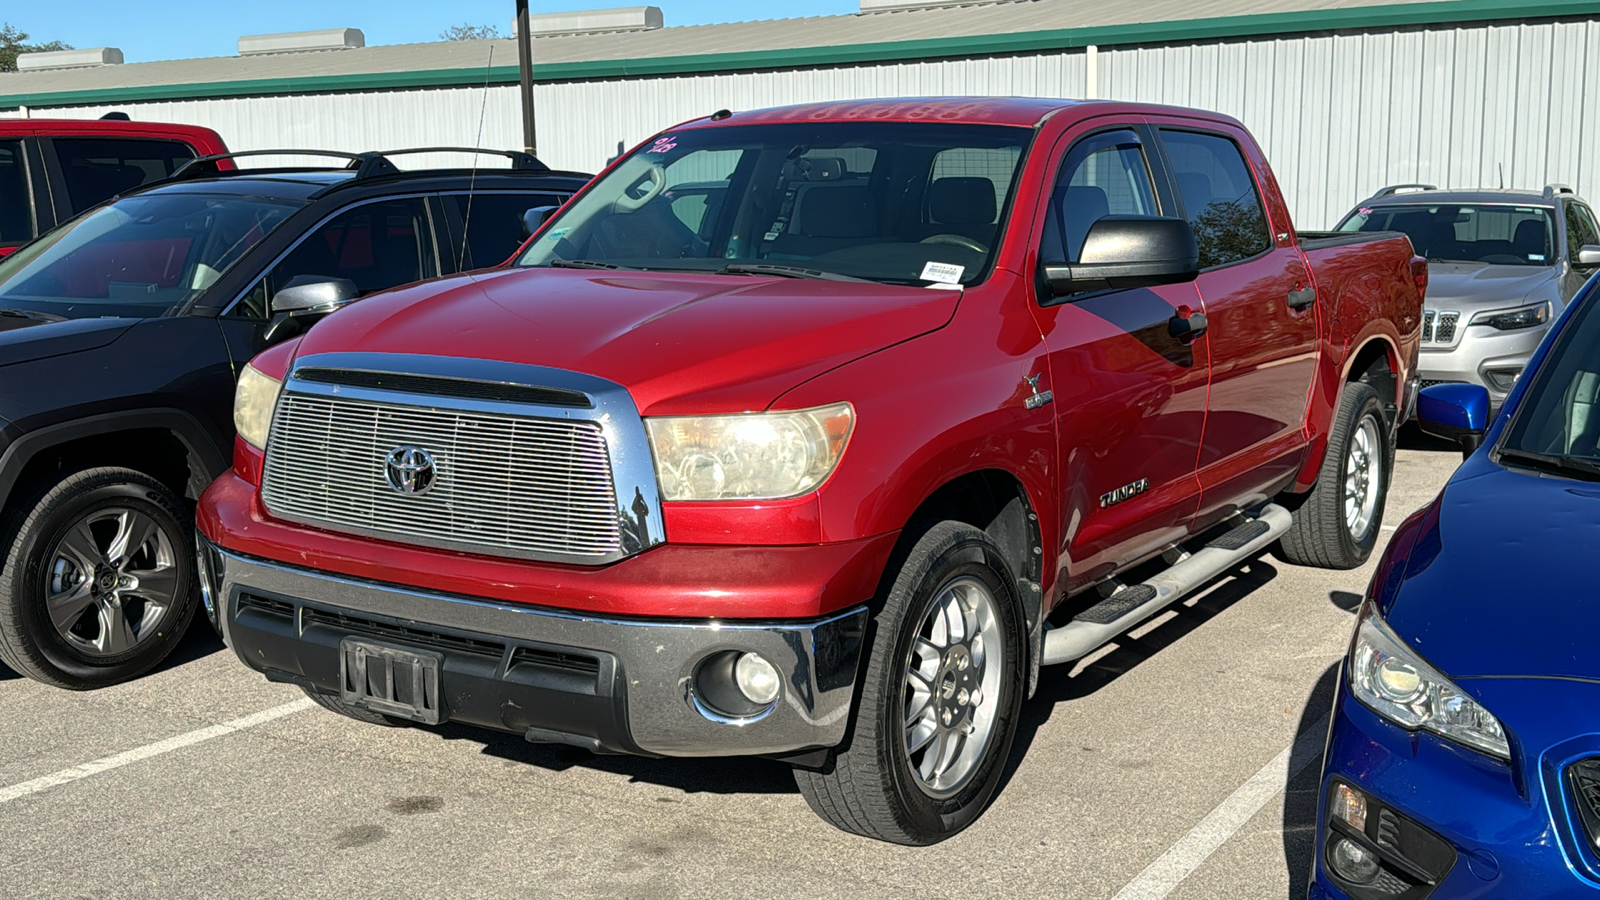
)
(1339, 115)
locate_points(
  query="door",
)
(1129, 397)
(378, 245)
(1262, 315)
(1581, 232)
(91, 170)
(485, 229)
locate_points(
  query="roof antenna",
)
(472, 184)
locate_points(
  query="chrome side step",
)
(1130, 605)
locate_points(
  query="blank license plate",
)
(390, 680)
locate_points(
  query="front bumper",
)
(1480, 353)
(609, 684)
(1512, 827)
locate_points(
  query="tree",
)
(470, 33)
(13, 42)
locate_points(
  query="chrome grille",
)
(1429, 317)
(1439, 327)
(505, 485)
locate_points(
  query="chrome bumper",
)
(287, 623)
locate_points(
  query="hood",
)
(1474, 287)
(23, 340)
(681, 343)
(1501, 578)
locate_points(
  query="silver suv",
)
(1502, 264)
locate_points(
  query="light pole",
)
(525, 64)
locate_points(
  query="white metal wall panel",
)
(1339, 115)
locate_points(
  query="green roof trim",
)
(1399, 15)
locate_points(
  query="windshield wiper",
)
(1586, 469)
(787, 272)
(30, 314)
(581, 264)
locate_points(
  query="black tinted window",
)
(97, 169)
(16, 210)
(1580, 229)
(1219, 197)
(493, 225)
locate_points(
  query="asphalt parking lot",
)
(1181, 762)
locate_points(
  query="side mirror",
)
(1122, 252)
(305, 299)
(1589, 255)
(533, 218)
(1455, 412)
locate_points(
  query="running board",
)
(1129, 606)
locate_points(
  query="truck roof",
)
(203, 140)
(1016, 111)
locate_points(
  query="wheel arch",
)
(169, 445)
(1377, 363)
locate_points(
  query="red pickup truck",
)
(812, 433)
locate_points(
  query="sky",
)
(186, 30)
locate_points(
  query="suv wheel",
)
(99, 579)
(940, 699)
(1337, 525)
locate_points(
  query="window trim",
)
(1250, 171)
(227, 311)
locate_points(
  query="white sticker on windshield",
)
(557, 234)
(1536, 257)
(942, 273)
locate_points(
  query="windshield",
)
(141, 256)
(906, 203)
(1560, 415)
(1498, 235)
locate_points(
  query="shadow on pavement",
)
(1301, 793)
(199, 643)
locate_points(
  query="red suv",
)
(53, 169)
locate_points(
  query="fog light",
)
(1354, 863)
(1501, 381)
(1350, 805)
(756, 678)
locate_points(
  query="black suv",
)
(121, 333)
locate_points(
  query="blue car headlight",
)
(1399, 685)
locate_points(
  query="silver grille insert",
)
(505, 485)
(1439, 327)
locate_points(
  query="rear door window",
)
(1219, 196)
(16, 204)
(97, 169)
(493, 225)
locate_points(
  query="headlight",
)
(253, 401)
(1387, 676)
(760, 456)
(1513, 319)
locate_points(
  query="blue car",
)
(1463, 757)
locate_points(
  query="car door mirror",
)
(304, 300)
(1589, 255)
(1455, 412)
(534, 218)
(1122, 252)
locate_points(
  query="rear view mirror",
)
(533, 218)
(1122, 252)
(305, 299)
(1589, 255)
(1455, 412)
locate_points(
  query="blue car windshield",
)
(1560, 414)
(146, 255)
(1496, 234)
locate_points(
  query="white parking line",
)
(1181, 859)
(127, 757)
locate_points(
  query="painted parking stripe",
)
(1193, 849)
(128, 757)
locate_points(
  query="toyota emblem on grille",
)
(410, 470)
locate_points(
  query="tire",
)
(1325, 532)
(873, 788)
(333, 703)
(139, 601)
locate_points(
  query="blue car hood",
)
(1504, 577)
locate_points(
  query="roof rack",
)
(1551, 190)
(1393, 189)
(366, 165)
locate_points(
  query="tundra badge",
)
(1126, 492)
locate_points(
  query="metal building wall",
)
(1339, 115)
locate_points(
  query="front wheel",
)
(1337, 525)
(940, 699)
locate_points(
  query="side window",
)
(377, 246)
(97, 169)
(1580, 229)
(493, 226)
(1219, 197)
(1103, 175)
(16, 210)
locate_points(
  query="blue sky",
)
(177, 31)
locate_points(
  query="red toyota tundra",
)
(812, 433)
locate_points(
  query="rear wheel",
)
(99, 580)
(939, 701)
(1337, 525)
